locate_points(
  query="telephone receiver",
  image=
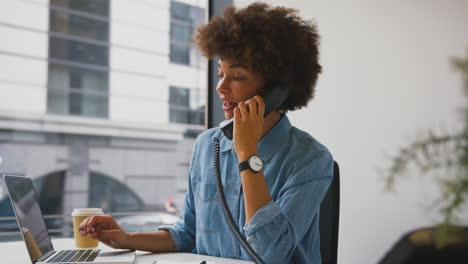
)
(273, 99)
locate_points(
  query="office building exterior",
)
(101, 101)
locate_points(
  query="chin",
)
(228, 115)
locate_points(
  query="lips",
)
(229, 106)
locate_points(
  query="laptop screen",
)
(29, 215)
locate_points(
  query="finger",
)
(84, 222)
(237, 115)
(90, 224)
(243, 110)
(260, 105)
(252, 104)
(91, 221)
(98, 220)
(100, 226)
(84, 225)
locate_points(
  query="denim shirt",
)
(298, 170)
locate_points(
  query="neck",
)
(270, 121)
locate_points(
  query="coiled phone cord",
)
(225, 208)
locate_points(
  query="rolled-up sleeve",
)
(286, 219)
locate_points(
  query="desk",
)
(16, 253)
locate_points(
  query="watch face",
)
(256, 163)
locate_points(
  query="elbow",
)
(275, 245)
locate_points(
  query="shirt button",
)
(236, 192)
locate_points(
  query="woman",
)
(276, 207)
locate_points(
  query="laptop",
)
(36, 236)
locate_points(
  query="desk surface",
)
(16, 253)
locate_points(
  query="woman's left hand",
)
(248, 127)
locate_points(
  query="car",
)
(146, 222)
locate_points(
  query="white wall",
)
(386, 78)
(139, 58)
(26, 13)
(23, 74)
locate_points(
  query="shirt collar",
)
(270, 142)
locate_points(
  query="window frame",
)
(68, 62)
(213, 113)
(190, 22)
(191, 112)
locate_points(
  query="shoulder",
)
(207, 136)
(307, 144)
(308, 154)
(204, 142)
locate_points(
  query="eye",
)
(220, 75)
(237, 78)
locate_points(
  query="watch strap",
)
(244, 166)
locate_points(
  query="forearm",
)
(156, 241)
(256, 193)
(271, 225)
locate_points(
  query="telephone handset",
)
(273, 99)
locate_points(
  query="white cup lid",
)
(87, 211)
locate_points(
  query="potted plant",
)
(434, 153)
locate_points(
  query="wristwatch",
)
(254, 163)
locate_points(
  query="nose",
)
(223, 86)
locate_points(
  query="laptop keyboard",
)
(78, 255)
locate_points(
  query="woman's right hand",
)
(105, 229)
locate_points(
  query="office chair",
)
(329, 220)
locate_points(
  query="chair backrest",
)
(330, 219)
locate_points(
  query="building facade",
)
(101, 101)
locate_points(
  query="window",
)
(180, 110)
(92, 28)
(77, 91)
(77, 51)
(98, 7)
(184, 20)
(78, 77)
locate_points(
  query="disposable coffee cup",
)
(78, 215)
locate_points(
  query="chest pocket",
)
(207, 208)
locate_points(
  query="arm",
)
(248, 130)
(106, 230)
(287, 220)
(256, 194)
(156, 241)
